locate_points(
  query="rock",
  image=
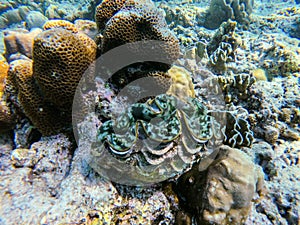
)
(35, 19)
(19, 41)
(223, 193)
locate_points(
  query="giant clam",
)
(153, 141)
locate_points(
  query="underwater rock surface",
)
(249, 55)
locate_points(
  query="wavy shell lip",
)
(152, 141)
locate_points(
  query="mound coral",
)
(136, 22)
(222, 10)
(46, 85)
(130, 21)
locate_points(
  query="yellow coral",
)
(3, 73)
(181, 84)
(50, 24)
(260, 74)
(5, 114)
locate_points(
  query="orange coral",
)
(60, 24)
(5, 114)
(3, 73)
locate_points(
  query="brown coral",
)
(46, 85)
(44, 116)
(106, 10)
(135, 21)
(223, 193)
(60, 58)
(60, 24)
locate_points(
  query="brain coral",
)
(132, 21)
(46, 86)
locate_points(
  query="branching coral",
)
(46, 85)
(236, 88)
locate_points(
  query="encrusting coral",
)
(46, 85)
(181, 83)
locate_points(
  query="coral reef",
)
(222, 10)
(280, 165)
(44, 176)
(48, 181)
(46, 86)
(279, 61)
(35, 19)
(14, 16)
(223, 193)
